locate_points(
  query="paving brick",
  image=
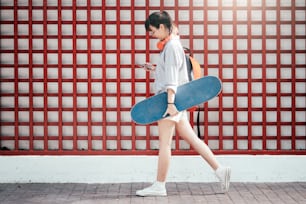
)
(194, 193)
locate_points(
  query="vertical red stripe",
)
(16, 101)
(118, 66)
(250, 132)
(31, 118)
(191, 47)
(264, 76)
(45, 61)
(206, 119)
(293, 76)
(74, 74)
(104, 110)
(147, 91)
(60, 67)
(89, 65)
(133, 95)
(220, 37)
(235, 95)
(278, 75)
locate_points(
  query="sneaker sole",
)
(151, 194)
(227, 179)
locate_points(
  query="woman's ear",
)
(162, 26)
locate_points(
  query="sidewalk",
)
(178, 193)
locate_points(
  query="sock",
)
(218, 169)
(160, 184)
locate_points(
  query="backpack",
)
(193, 66)
(193, 69)
(194, 72)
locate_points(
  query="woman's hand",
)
(147, 66)
(171, 110)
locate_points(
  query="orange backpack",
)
(194, 72)
(193, 68)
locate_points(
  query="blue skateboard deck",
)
(188, 95)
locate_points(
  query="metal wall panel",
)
(68, 75)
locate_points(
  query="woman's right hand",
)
(147, 66)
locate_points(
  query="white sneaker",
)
(224, 175)
(156, 189)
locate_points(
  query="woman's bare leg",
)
(166, 130)
(187, 133)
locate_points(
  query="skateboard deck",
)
(188, 95)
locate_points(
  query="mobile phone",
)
(145, 66)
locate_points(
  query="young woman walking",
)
(170, 72)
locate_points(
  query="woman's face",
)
(159, 33)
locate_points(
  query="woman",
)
(170, 72)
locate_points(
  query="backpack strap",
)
(198, 123)
(186, 49)
(189, 67)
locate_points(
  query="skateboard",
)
(188, 95)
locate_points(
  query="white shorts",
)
(177, 117)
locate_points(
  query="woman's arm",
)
(171, 109)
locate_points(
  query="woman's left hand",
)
(171, 110)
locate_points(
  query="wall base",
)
(126, 169)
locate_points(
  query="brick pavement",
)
(178, 193)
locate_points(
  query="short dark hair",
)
(157, 18)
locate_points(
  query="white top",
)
(171, 70)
